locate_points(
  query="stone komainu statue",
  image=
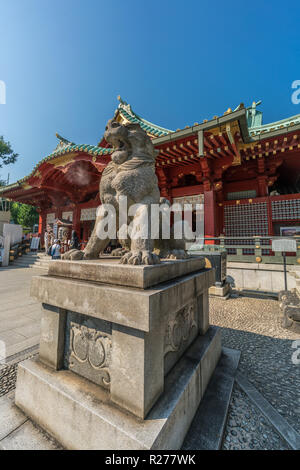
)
(130, 173)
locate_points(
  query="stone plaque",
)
(88, 348)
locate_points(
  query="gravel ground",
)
(8, 372)
(8, 378)
(254, 327)
(247, 429)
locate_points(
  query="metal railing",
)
(254, 249)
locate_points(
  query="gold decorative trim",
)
(62, 160)
(26, 186)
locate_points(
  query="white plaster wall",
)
(261, 277)
(14, 231)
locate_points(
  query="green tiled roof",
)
(125, 109)
(256, 127)
(64, 146)
(274, 126)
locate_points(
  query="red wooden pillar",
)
(210, 216)
(42, 226)
(163, 184)
(58, 213)
(86, 231)
(262, 185)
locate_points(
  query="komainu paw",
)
(73, 255)
(177, 254)
(132, 258)
(150, 258)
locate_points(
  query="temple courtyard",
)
(251, 325)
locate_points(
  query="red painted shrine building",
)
(247, 173)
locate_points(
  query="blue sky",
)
(176, 62)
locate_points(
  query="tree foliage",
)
(7, 155)
(24, 215)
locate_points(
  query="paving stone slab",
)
(28, 437)
(10, 416)
(207, 429)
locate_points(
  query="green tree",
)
(24, 215)
(7, 155)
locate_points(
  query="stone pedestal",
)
(220, 291)
(126, 353)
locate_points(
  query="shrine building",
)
(246, 173)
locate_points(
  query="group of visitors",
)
(53, 245)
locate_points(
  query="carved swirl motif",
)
(89, 345)
(179, 329)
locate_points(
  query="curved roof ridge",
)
(133, 117)
(287, 122)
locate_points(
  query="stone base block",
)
(124, 338)
(80, 415)
(222, 291)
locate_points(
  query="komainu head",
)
(128, 141)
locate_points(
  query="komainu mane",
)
(130, 173)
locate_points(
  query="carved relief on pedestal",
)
(179, 328)
(90, 346)
(88, 349)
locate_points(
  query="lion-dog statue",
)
(130, 173)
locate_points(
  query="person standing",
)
(46, 242)
(51, 238)
(55, 251)
(74, 243)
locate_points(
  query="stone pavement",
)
(19, 314)
(254, 327)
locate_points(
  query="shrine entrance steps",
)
(32, 260)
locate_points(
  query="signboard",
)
(284, 245)
(289, 231)
(5, 216)
(35, 243)
(88, 214)
(55, 230)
